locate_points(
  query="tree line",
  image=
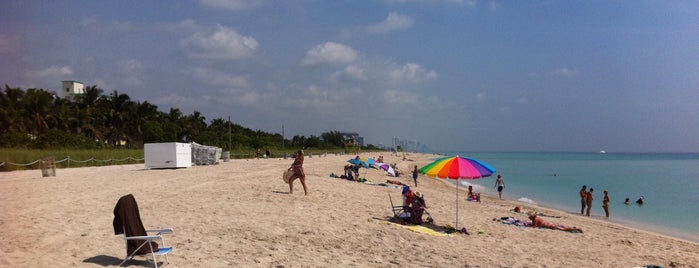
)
(39, 119)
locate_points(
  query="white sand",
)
(239, 214)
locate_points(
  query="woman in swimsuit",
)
(605, 203)
(297, 168)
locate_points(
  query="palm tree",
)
(37, 104)
(138, 116)
(10, 110)
(116, 109)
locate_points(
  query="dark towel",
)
(127, 220)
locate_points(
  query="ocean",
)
(668, 182)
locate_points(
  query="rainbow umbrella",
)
(457, 167)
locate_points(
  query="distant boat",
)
(603, 152)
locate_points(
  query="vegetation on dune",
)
(35, 123)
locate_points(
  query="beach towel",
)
(514, 221)
(420, 229)
(127, 221)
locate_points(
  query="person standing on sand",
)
(583, 201)
(297, 168)
(605, 203)
(500, 184)
(415, 172)
(589, 199)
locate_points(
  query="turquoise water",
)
(669, 183)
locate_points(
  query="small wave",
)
(476, 187)
(526, 200)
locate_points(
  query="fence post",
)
(48, 167)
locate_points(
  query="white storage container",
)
(168, 155)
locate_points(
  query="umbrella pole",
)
(456, 225)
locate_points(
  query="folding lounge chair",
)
(127, 221)
(402, 213)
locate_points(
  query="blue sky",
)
(454, 75)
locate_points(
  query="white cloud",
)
(231, 4)
(250, 98)
(400, 97)
(329, 52)
(412, 72)
(211, 77)
(51, 73)
(130, 66)
(132, 71)
(393, 22)
(565, 72)
(223, 44)
(351, 72)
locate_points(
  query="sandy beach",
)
(239, 214)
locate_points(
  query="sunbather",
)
(541, 223)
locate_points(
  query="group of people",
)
(639, 201)
(586, 198)
(258, 153)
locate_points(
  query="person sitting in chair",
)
(417, 207)
(472, 196)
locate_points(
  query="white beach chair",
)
(163, 250)
(139, 241)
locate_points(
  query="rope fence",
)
(93, 161)
(68, 161)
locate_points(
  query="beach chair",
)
(127, 221)
(403, 214)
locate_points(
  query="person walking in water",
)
(500, 184)
(605, 203)
(589, 199)
(583, 197)
(415, 175)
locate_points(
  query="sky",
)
(454, 75)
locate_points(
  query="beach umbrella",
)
(371, 161)
(387, 168)
(358, 162)
(456, 168)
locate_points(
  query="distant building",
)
(70, 89)
(353, 136)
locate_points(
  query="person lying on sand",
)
(541, 223)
